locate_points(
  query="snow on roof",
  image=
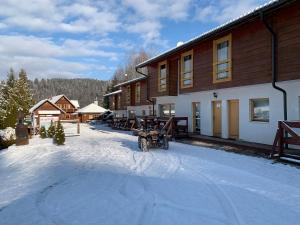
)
(37, 105)
(54, 99)
(113, 93)
(75, 103)
(213, 31)
(130, 81)
(92, 108)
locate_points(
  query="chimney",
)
(96, 101)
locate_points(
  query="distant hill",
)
(84, 90)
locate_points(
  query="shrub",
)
(59, 136)
(51, 130)
(7, 137)
(43, 133)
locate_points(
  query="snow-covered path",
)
(100, 177)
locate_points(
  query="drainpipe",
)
(148, 98)
(274, 65)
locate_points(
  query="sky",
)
(91, 38)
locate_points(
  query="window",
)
(137, 92)
(167, 110)
(187, 69)
(162, 76)
(222, 59)
(259, 109)
(128, 93)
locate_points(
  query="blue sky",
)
(90, 38)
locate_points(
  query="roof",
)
(37, 105)
(112, 93)
(75, 103)
(271, 5)
(130, 81)
(92, 108)
(54, 99)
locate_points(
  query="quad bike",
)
(152, 139)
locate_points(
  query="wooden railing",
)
(285, 135)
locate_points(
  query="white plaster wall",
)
(260, 132)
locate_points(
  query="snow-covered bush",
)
(43, 133)
(51, 130)
(7, 137)
(59, 136)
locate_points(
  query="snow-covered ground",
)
(100, 177)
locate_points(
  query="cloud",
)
(21, 45)
(47, 15)
(44, 57)
(155, 9)
(221, 11)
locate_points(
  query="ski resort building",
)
(90, 112)
(44, 112)
(236, 81)
(130, 99)
(69, 106)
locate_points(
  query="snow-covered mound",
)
(8, 134)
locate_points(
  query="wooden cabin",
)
(90, 112)
(222, 79)
(44, 112)
(69, 106)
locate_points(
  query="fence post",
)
(280, 140)
(78, 127)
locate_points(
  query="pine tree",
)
(11, 107)
(43, 133)
(59, 136)
(18, 95)
(51, 130)
(3, 105)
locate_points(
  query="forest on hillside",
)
(85, 91)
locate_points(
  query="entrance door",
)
(196, 117)
(233, 116)
(217, 118)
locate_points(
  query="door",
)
(233, 116)
(196, 117)
(217, 118)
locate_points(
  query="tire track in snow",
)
(225, 201)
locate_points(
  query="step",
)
(292, 160)
(291, 156)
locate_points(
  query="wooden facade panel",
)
(46, 106)
(287, 26)
(251, 55)
(173, 76)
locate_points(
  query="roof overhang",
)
(113, 93)
(256, 13)
(130, 81)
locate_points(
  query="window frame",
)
(138, 92)
(251, 110)
(216, 62)
(182, 86)
(169, 109)
(159, 79)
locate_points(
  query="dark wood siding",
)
(251, 55)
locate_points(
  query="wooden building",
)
(44, 112)
(230, 81)
(131, 98)
(69, 106)
(90, 112)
